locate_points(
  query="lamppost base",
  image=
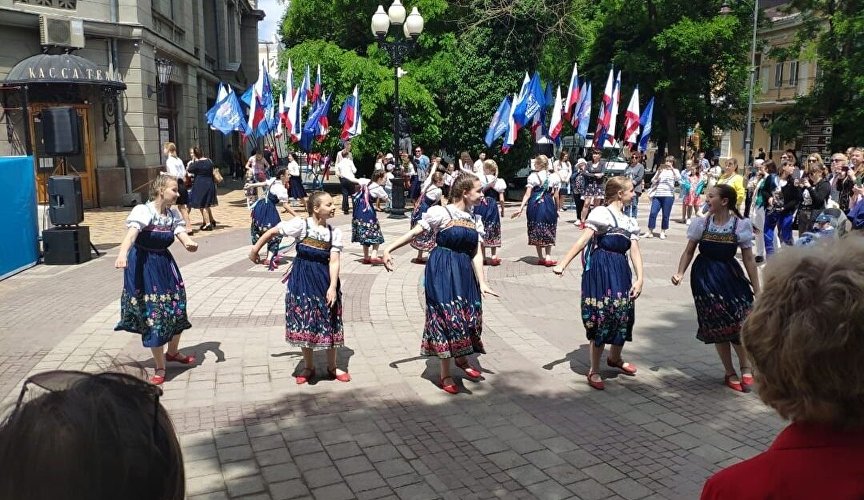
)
(397, 213)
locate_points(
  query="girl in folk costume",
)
(722, 293)
(429, 197)
(153, 303)
(454, 282)
(295, 189)
(609, 291)
(364, 223)
(542, 211)
(491, 209)
(313, 300)
(265, 214)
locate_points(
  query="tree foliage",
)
(474, 52)
(835, 29)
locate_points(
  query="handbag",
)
(217, 175)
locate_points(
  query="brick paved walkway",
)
(531, 429)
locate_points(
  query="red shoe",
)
(596, 384)
(496, 261)
(735, 386)
(550, 263)
(627, 368)
(470, 370)
(342, 377)
(376, 261)
(305, 376)
(746, 382)
(449, 388)
(581, 225)
(415, 260)
(541, 262)
(367, 260)
(157, 379)
(179, 358)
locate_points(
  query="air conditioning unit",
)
(61, 32)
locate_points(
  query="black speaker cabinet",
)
(60, 132)
(65, 200)
(66, 245)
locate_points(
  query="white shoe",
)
(687, 222)
(662, 235)
(648, 235)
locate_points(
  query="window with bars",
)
(778, 75)
(54, 4)
(793, 73)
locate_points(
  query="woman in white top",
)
(295, 188)
(542, 211)
(265, 215)
(175, 167)
(662, 197)
(491, 209)
(609, 290)
(454, 282)
(365, 228)
(564, 170)
(430, 195)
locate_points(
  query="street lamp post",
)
(397, 49)
(748, 132)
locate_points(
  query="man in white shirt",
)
(478, 165)
(347, 171)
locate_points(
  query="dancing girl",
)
(454, 282)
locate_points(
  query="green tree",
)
(833, 32)
(693, 59)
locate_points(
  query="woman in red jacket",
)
(805, 337)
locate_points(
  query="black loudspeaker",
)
(66, 245)
(60, 132)
(65, 200)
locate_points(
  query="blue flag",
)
(584, 113)
(310, 127)
(549, 95)
(645, 121)
(226, 116)
(531, 103)
(498, 125)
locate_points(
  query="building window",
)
(793, 73)
(778, 75)
(55, 4)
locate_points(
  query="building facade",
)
(126, 114)
(778, 85)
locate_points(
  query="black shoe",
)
(207, 227)
(760, 259)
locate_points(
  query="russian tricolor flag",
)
(350, 116)
(573, 94)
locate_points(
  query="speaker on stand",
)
(68, 242)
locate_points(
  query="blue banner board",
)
(19, 232)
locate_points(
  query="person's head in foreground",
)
(805, 337)
(89, 436)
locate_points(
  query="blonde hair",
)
(170, 147)
(615, 185)
(159, 184)
(805, 334)
(541, 160)
(491, 167)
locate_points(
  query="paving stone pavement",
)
(531, 429)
